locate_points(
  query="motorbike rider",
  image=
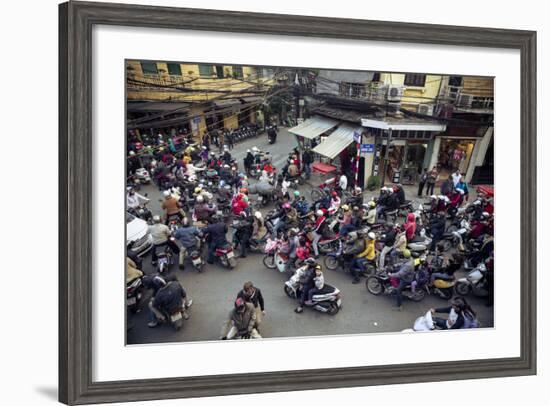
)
(134, 200)
(367, 254)
(437, 228)
(461, 315)
(307, 275)
(319, 281)
(302, 206)
(202, 209)
(244, 229)
(292, 170)
(215, 232)
(252, 294)
(248, 161)
(280, 214)
(335, 202)
(187, 237)
(167, 300)
(371, 213)
(171, 206)
(160, 234)
(356, 198)
(242, 322)
(319, 229)
(405, 274)
(344, 220)
(410, 227)
(259, 230)
(324, 201)
(388, 240)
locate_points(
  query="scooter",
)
(381, 283)
(164, 259)
(475, 282)
(327, 301)
(226, 255)
(143, 176)
(134, 293)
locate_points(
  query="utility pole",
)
(386, 157)
(297, 96)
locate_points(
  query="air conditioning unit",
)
(395, 93)
(426, 109)
(464, 100)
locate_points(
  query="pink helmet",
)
(286, 206)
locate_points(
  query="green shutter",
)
(174, 69)
(149, 68)
(206, 70)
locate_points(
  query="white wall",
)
(29, 53)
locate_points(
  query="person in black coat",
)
(437, 228)
(253, 295)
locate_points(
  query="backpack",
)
(470, 321)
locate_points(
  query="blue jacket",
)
(217, 232)
(186, 236)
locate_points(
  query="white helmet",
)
(258, 215)
(132, 153)
(156, 219)
(476, 203)
(358, 189)
(200, 199)
(247, 150)
(166, 193)
(371, 235)
(319, 213)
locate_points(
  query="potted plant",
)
(373, 182)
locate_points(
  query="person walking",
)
(432, 178)
(422, 182)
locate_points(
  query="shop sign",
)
(356, 136)
(367, 148)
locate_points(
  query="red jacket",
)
(410, 226)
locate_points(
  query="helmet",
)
(200, 199)
(406, 253)
(286, 206)
(243, 190)
(245, 198)
(358, 189)
(296, 193)
(247, 150)
(198, 190)
(243, 214)
(258, 215)
(485, 215)
(185, 221)
(156, 219)
(222, 183)
(239, 304)
(372, 204)
(166, 193)
(371, 235)
(334, 194)
(476, 202)
(318, 267)
(226, 166)
(227, 187)
(310, 261)
(345, 207)
(132, 153)
(352, 236)
(319, 213)
(293, 231)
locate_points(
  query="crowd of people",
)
(208, 200)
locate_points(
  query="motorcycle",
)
(475, 282)
(327, 301)
(337, 259)
(134, 293)
(381, 283)
(226, 256)
(164, 259)
(143, 176)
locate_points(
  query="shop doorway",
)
(454, 154)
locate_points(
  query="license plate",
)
(196, 261)
(339, 302)
(175, 317)
(131, 301)
(230, 254)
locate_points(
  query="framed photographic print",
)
(260, 202)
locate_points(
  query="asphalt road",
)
(214, 290)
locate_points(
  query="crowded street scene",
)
(267, 202)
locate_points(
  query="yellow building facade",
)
(417, 88)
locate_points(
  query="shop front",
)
(409, 150)
(455, 154)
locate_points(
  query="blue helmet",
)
(222, 183)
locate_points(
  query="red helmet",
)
(334, 194)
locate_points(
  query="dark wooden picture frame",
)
(76, 20)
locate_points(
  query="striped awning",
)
(313, 127)
(336, 142)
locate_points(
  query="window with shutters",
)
(206, 70)
(174, 69)
(352, 90)
(149, 68)
(238, 72)
(415, 79)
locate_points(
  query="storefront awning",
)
(313, 127)
(337, 141)
(226, 102)
(404, 125)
